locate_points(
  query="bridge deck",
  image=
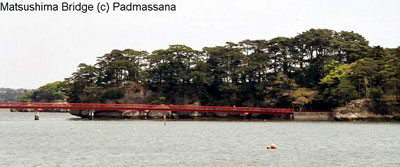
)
(144, 107)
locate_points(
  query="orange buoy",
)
(273, 146)
(268, 147)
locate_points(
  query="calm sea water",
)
(60, 139)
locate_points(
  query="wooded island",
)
(317, 69)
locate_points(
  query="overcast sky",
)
(41, 47)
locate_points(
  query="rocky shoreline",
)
(365, 110)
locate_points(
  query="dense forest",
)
(13, 95)
(319, 68)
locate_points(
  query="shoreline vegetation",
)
(319, 69)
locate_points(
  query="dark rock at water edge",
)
(366, 110)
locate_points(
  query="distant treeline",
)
(319, 68)
(13, 95)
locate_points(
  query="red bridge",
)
(146, 107)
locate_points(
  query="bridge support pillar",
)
(145, 113)
(37, 116)
(195, 115)
(91, 114)
(245, 115)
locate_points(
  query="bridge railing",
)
(144, 107)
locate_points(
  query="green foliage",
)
(391, 76)
(350, 46)
(374, 77)
(176, 73)
(118, 67)
(376, 93)
(336, 74)
(48, 93)
(345, 91)
(337, 88)
(82, 85)
(280, 91)
(27, 97)
(365, 73)
(302, 96)
(13, 95)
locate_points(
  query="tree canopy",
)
(50, 92)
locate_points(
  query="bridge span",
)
(144, 107)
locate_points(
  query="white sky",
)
(41, 47)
